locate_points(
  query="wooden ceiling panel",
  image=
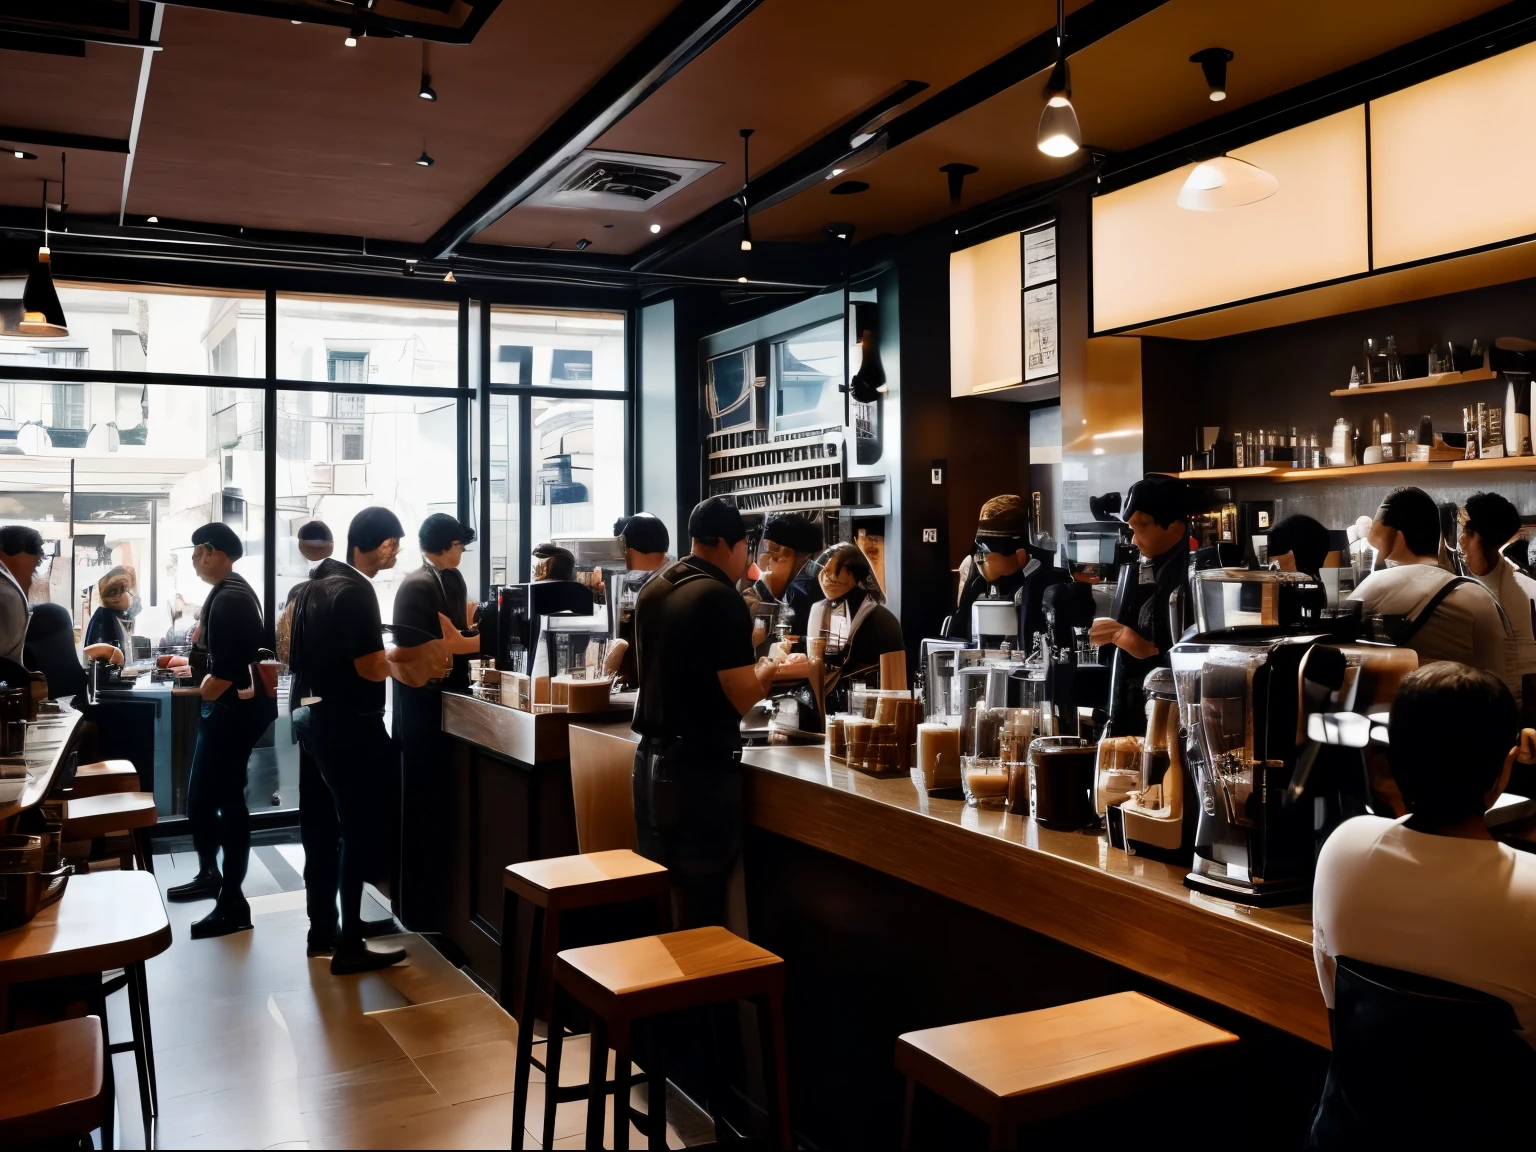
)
(95, 183)
(265, 124)
(1130, 88)
(90, 95)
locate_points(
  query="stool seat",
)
(94, 817)
(103, 777)
(656, 974)
(1010, 1070)
(587, 880)
(51, 1081)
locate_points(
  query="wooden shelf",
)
(1441, 380)
(1258, 473)
(1367, 473)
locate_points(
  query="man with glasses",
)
(998, 568)
(789, 542)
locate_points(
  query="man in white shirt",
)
(1466, 626)
(1433, 893)
(1488, 523)
(21, 550)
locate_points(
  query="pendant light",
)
(41, 312)
(1059, 133)
(746, 168)
(426, 92)
(1226, 182)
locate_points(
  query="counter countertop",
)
(526, 737)
(49, 742)
(1072, 887)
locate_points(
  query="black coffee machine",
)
(515, 620)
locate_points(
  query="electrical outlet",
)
(938, 475)
(930, 535)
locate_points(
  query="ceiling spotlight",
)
(448, 279)
(153, 220)
(1059, 133)
(583, 244)
(295, 21)
(840, 231)
(1213, 62)
(427, 91)
(410, 259)
(655, 228)
(1226, 182)
(741, 279)
(424, 160)
(746, 173)
(956, 174)
(351, 40)
(20, 155)
(836, 172)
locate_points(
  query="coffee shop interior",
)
(964, 401)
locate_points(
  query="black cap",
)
(221, 538)
(440, 530)
(646, 533)
(1164, 498)
(716, 521)
(315, 532)
(794, 532)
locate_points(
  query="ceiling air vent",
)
(618, 181)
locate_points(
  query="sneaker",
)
(350, 959)
(202, 886)
(221, 922)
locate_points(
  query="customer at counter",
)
(1156, 509)
(1444, 617)
(1433, 893)
(552, 562)
(789, 579)
(340, 663)
(1299, 544)
(431, 604)
(693, 645)
(860, 637)
(998, 568)
(109, 632)
(236, 710)
(21, 551)
(1488, 523)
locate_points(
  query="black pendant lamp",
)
(746, 169)
(41, 312)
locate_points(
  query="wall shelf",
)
(1440, 380)
(1257, 473)
(1370, 473)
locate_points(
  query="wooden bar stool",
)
(552, 888)
(52, 1082)
(104, 776)
(113, 814)
(638, 980)
(1013, 1070)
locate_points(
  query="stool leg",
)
(622, 1084)
(108, 1081)
(552, 1054)
(656, 1086)
(141, 978)
(907, 1109)
(141, 847)
(525, 1021)
(776, 1066)
(136, 1023)
(597, 1082)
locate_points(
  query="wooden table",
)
(50, 743)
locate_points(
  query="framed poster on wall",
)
(1041, 313)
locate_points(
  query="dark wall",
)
(1281, 377)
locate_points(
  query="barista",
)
(645, 540)
(1488, 523)
(995, 569)
(860, 635)
(107, 635)
(789, 579)
(1156, 511)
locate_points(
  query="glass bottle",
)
(1394, 365)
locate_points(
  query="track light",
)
(741, 279)
(1059, 133)
(746, 174)
(153, 220)
(20, 155)
(1213, 62)
(655, 228)
(1226, 182)
(352, 37)
(427, 91)
(424, 160)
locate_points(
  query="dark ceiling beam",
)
(1088, 25)
(683, 34)
(383, 21)
(70, 141)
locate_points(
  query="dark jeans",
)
(354, 752)
(690, 815)
(216, 807)
(427, 819)
(320, 833)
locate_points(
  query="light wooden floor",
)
(259, 1047)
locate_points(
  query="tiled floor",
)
(259, 1047)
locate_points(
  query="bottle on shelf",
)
(1394, 362)
(1388, 439)
(1469, 429)
(1342, 452)
(1261, 448)
(1238, 460)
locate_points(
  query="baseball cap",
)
(1163, 498)
(221, 538)
(716, 521)
(646, 533)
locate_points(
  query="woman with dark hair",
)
(860, 636)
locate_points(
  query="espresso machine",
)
(516, 623)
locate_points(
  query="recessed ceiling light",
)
(295, 21)
(655, 228)
(351, 40)
(410, 259)
(20, 155)
(153, 220)
(741, 279)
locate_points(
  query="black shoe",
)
(320, 943)
(221, 923)
(388, 926)
(350, 959)
(200, 887)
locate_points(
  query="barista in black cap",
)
(236, 710)
(698, 677)
(788, 579)
(646, 541)
(998, 567)
(431, 604)
(1156, 510)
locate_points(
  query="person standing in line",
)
(339, 659)
(21, 551)
(426, 597)
(235, 711)
(698, 677)
(1488, 523)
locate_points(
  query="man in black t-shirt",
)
(693, 648)
(339, 657)
(431, 604)
(236, 710)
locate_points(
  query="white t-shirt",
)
(1440, 906)
(1466, 627)
(1516, 593)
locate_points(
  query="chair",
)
(553, 888)
(1014, 1070)
(52, 1082)
(601, 764)
(634, 982)
(1420, 1062)
(98, 817)
(103, 777)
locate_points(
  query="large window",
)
(343, 340)
(578, 350)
